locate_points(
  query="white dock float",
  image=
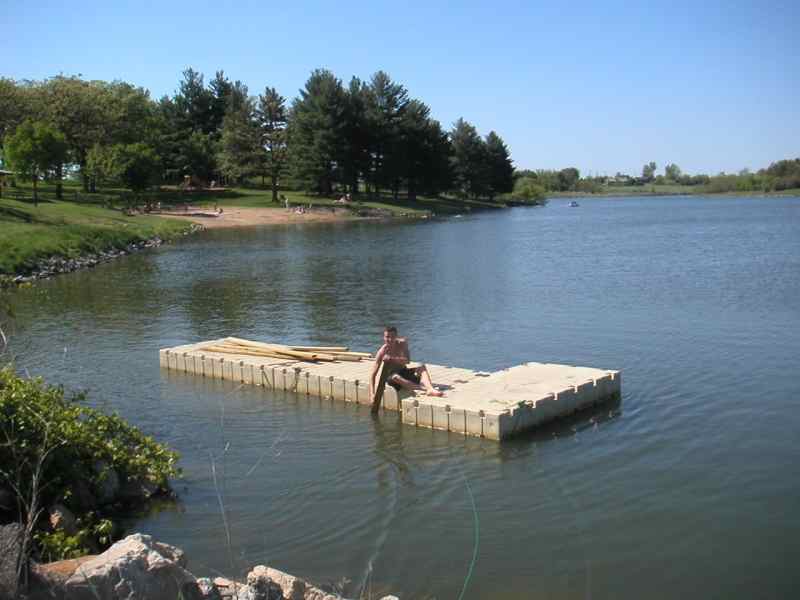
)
(491, 405)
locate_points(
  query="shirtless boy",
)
(395, 351)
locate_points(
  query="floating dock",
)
(494, 405)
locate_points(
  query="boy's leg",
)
(425, 378)
(405, 383)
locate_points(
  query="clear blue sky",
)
(604, 87)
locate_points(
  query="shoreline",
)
(58, 265)
(235, 216)
(685, 194)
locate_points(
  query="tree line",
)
(366, 137)
(778, 176)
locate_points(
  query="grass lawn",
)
(29, 233)
(254, 197)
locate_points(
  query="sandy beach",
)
(249, 217)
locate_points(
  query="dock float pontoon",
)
(494, 405)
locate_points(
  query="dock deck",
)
(492, 405)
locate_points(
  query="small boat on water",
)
(573, 204)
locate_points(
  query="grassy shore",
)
(89, 223)
(31, 233)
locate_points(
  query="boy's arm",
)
(375, 367)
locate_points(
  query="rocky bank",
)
(140, 568)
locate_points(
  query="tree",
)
(80, 110)
(194, 104)
(272, 120)
(100, 164)
(568, 178)
(34, 149)
(136, 165)
(649, 172)
(468, 159)
(500, 169)
(672, 172)
(358, 138)
(316, 130)
(387, 104)
(196, 156)
(239, 144)
(529, 189)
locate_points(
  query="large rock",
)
(136, 568)
(282, 586)
(10, 548)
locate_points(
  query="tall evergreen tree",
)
(316, 131)
(240, 143)
(500, 170)
(469, 160)
(194, 104)
(355, 161)
(387, 105)
(272, 120)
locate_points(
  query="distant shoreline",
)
(616, 194)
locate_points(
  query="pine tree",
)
(316, 130)
(272, 120)
(469, 160)
(239, 143)
(499, 166)
(387, 105)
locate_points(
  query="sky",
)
(604, 87)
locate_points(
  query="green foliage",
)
(51, 445)
(470, 169)
(649, 172)
(136, 165)
(672, 172)
(240, 143)
(34, 149)
(59, 545)
(528, 189)
(272, 121)
(500, 176)
(28, 407)
(316, 131)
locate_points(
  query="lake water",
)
(688, 487)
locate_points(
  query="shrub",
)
(50, 449)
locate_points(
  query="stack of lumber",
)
(232, 345)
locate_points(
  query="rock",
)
(292, 588)
(136, 568)
(108, 482)
(208, 589)
(47, 581)
(61, 518)
(261, 587)
(10, 548)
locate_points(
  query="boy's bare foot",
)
(436, 393)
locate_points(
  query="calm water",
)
(689, 487)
